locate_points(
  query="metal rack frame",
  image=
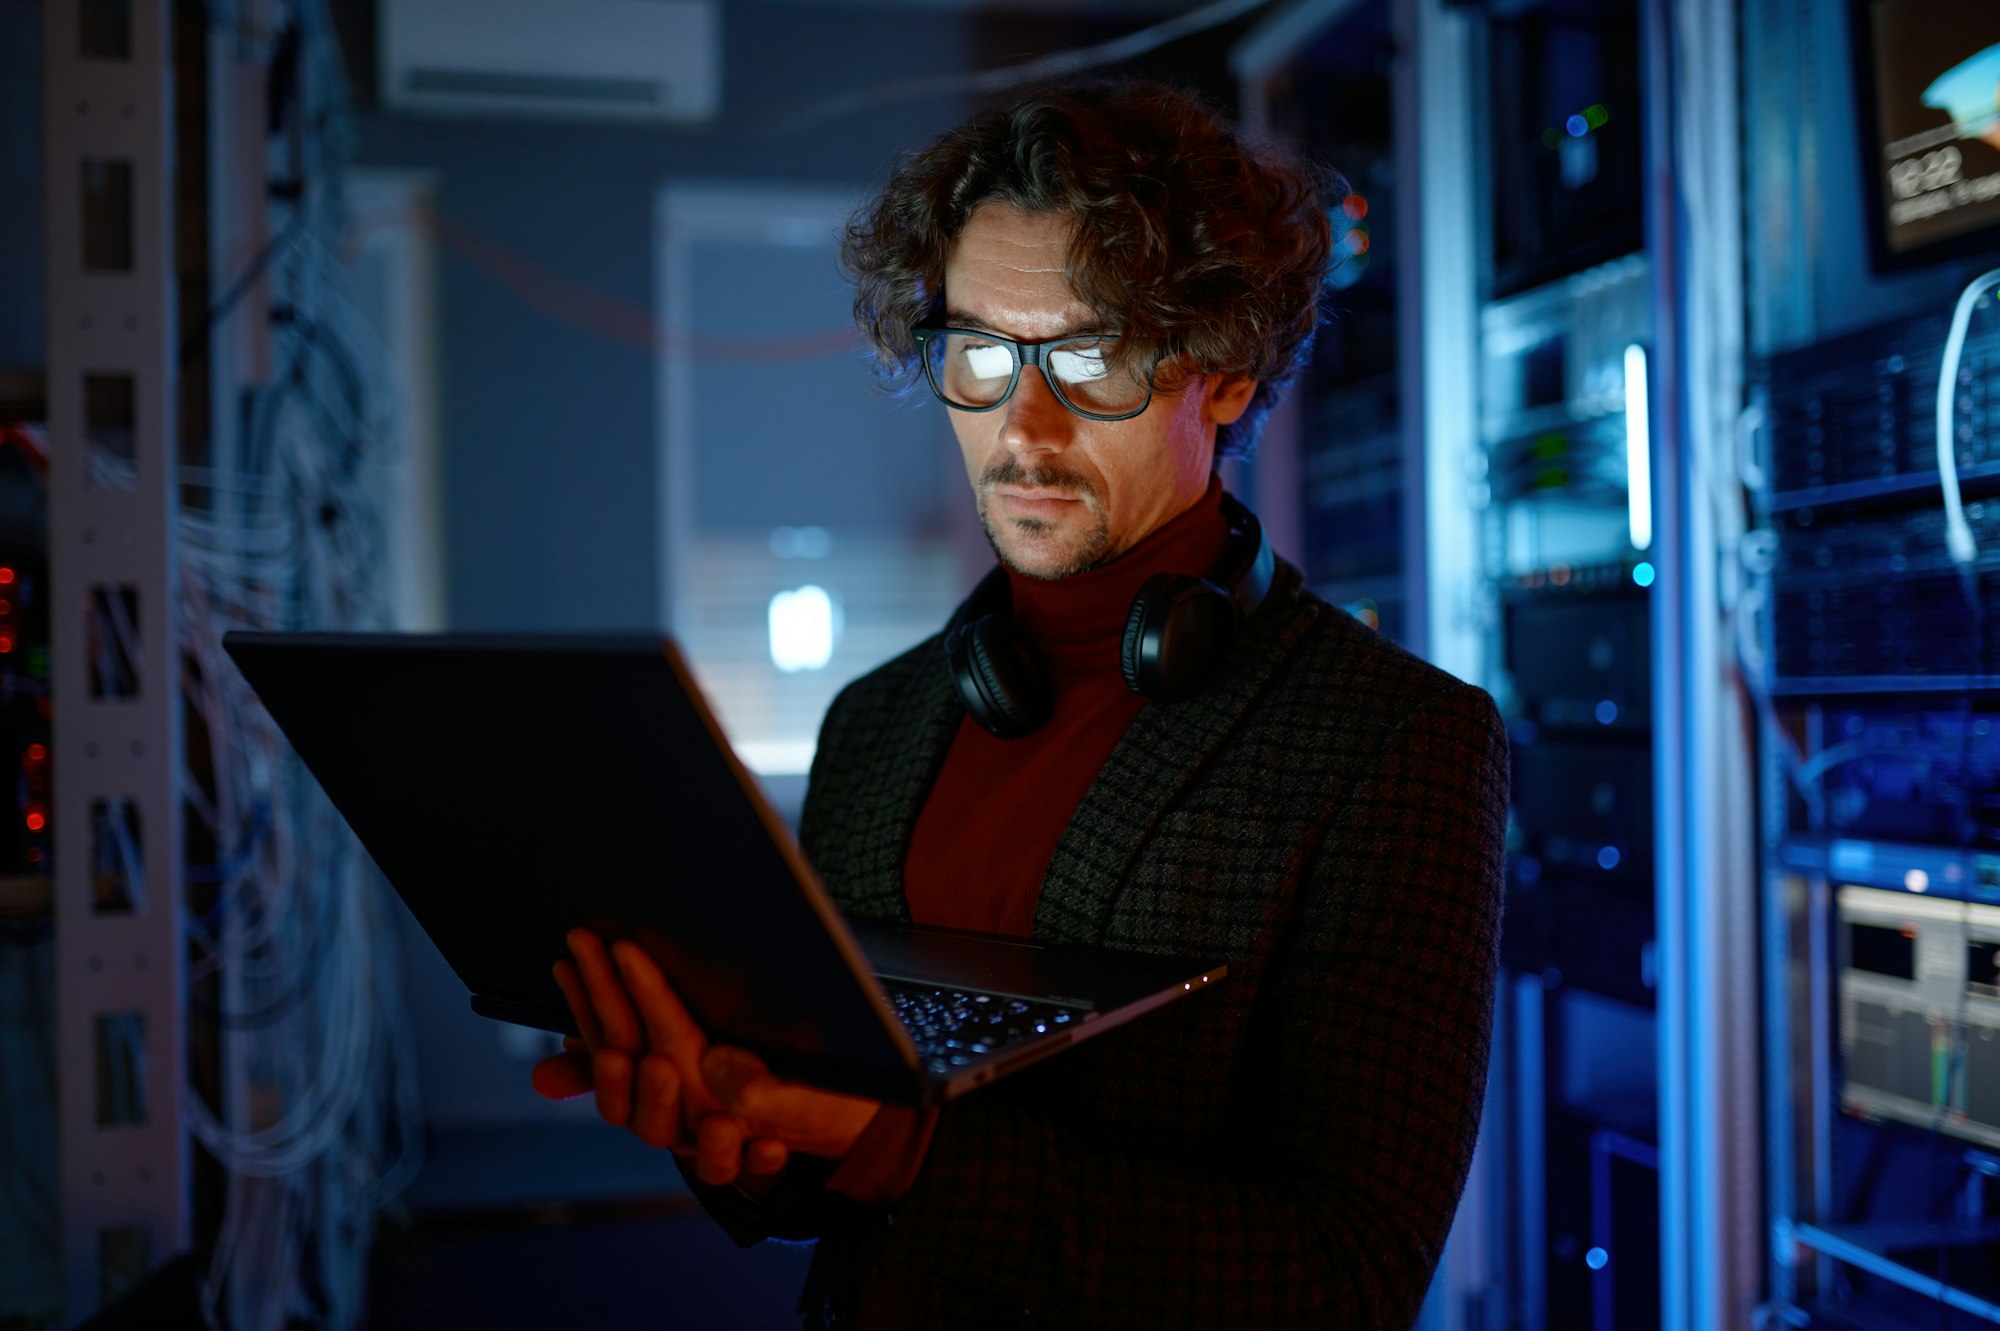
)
(125, 1184)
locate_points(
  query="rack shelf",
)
(1838, 686)
(1868, 1247)
(1907, 486)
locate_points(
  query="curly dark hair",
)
(1206, 252)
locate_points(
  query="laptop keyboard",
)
(951, 1029)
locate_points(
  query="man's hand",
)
(654, 1072)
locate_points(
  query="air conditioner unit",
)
(630, 60)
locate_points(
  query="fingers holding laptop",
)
(800, 1117)
(654, 1072)
(742, 1116)
(724, 1081)
(635, 1033)
(640, 1054)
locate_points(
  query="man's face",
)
(1059, 493)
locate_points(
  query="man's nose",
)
(1036, 422)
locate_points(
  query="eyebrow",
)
(963, 319)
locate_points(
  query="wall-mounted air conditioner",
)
(633, 60)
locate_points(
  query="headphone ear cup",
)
(1000, 680)
(1178, 631)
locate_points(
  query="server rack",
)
(1882, 845)
(1877, 744)
(1615, 1183)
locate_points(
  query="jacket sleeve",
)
(1357, 1109)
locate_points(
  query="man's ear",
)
(1229, 396)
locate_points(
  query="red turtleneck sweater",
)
(985, 836)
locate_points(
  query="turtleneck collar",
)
(1078, 622)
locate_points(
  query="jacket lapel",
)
(1167, 745)
(899, 780)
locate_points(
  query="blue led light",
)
(1577, 127)
(1607, 858)
(1607, 712)
(1642, 573)
(1596, 1259)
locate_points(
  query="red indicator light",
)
(6, 642)
(1355, 206)
(36, 753)
(6, 577)
(37, 821)
(6, 607)
(34, 854)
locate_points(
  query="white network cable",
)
(1957, 531)
(293, 540)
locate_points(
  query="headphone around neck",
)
(1179, 630)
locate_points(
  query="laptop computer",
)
(511, 788)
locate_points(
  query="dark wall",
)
(21, 212)
(548, 429)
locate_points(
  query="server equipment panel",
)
(1869, 594)
(1920, 1011)
(1861, 410)
(1920, 775)
(1580, 659)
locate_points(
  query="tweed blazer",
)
(1284, 1149)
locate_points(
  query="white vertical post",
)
(1441, 394)
(109, 118)
(1709, 1086)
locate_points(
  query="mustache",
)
(1009, 471)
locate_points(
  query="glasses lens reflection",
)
(970, 370)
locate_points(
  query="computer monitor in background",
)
(1928, 75)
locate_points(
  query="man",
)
(1108, 288)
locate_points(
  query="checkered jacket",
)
(1284, 1149)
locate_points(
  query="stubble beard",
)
(1084, 552)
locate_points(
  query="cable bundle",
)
(293, 975)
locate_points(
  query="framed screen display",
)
(1929, 76)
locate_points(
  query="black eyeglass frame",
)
(1026, 354)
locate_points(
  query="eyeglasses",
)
(974, 371)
